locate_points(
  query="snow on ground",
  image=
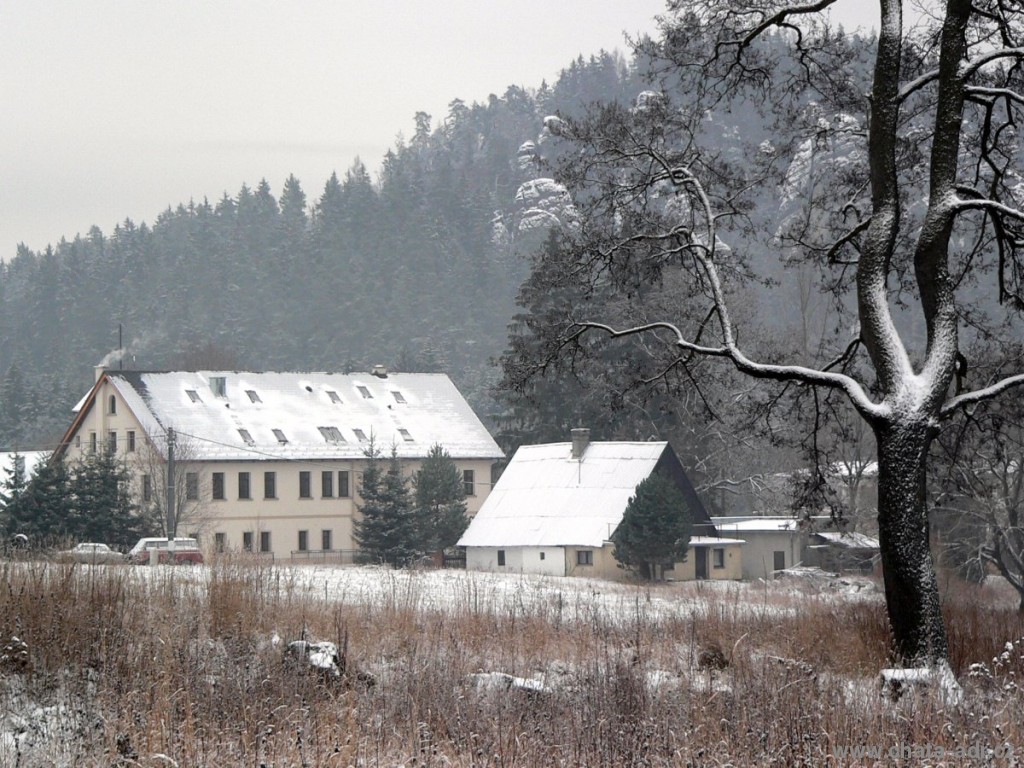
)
(459, 591)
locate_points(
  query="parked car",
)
(186, 551)
(90, 552)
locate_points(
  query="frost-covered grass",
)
(132, 666)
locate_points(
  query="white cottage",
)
(555, 507)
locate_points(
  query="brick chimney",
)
(580, 441)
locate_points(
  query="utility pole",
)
(172, 519)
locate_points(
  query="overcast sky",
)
(119, 108)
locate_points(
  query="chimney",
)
(580, 441)
(99, 371)
(380, 371)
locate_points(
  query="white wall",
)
(517, 560)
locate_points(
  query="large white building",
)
(271, 462)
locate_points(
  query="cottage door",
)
(701, 564)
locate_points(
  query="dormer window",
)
(193, 396)
(406, 435)
(334, 396)
(280, 436)
(399, 397)
(219, 386)
(246, 436)
(331, 434)
(360, 435)
(253, 396)
(364, 392)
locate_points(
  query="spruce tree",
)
(440, 501)
(655, 528)
(387, 531)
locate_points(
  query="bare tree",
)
(190, 478)
(921, 213)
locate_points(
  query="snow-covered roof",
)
(32, 460)
(547, 498)
(713, 541)
(782, 524)
(850, 540)
(305, 415)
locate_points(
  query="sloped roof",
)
(781, 524)
(547, 498)
(849, 540)
(305, 415)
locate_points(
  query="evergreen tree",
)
(440, 501)
(655, 529)
(101, 507)
(388, 531)
(40, 510)
(12, 490)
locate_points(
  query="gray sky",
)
(119, 108)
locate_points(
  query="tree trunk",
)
(911, 589)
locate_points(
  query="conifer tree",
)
(387, 532)
(440, 501)
(655, 528)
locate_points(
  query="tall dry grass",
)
(133, 667)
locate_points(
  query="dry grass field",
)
(133, 666)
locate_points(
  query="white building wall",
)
(517, 560)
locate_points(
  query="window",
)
(779, 561)
(253, 396)
(112, 441)
(247, 541)
(220, 542)
(501, 558)
(541, 555)
(218, 485)
(78, 441)
(360, 435)
(304, 486)
(246, 436)
(131, 441)
(192, 486)
(269, 485)
(399, 397)
(92, 442)
(331, 434)
(264, 541)
(406, 435)
(469, 482)
(327, 484)
(718, 558)
(364, 392)
(147, 488)
(218, 385)
(325, 540)
(343, 490)
(303, 541)
(112, 405)
(585, 557)
(193, 396)
(335, 397)
(243, 486)
(280, 436)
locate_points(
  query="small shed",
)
(841, 551)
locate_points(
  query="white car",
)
(91, 552)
